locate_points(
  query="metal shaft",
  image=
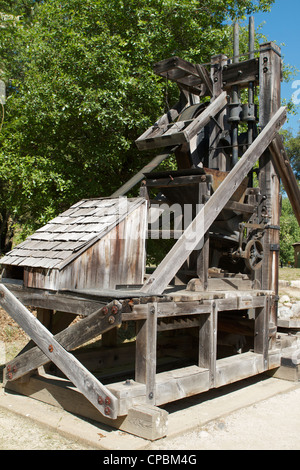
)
(235, 96)
(251, 84)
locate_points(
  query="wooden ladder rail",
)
(99, 395)
(192, 236)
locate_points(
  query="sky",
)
(282, 25)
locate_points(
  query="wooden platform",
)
(148, 366)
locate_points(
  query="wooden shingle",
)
(67, 234)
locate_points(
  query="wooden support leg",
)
(100, 397)
(261, 331)
(203, 263)
(146, 352)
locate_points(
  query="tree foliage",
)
(292, 147)
(289, 232)
(81, 90)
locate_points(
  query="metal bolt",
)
(100, 400)
(111, 320)
(105, 311)
(107, 401)
(107, 410)
(14, 369)
(150, 395)
(8, 368)
(9, 375)
(114, 310)
(152, 310)
(50, 348)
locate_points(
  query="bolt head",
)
(100, 400)
(114, 310)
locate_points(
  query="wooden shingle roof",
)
(65, 237)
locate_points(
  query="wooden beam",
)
(212, 110)
(194, 233)
(161, 135)
(72, 337)
(102, 399)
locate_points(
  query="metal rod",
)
(235, 95)
(251, 86)
(251, 37)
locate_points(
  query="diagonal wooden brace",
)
(72, 337)
(103, 400)
(195, 232)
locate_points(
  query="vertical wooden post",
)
(146, 340)
(261, 328)
(270, 98)
(208, 342)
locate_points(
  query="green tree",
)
(81, 90)
(289, 232)
(292, 147)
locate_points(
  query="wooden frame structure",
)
(206, 315)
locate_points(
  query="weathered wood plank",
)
(241, 73)
(40, 298)
(192, 236)
(204, 118)
(269, 103)
(146, 338)
(238, 367)
(86, 383)
(145, 421)
(72, 337)
(162, 136)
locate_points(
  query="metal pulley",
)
(254, 255)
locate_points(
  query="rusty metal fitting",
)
(114, 310)
(105, 310)
(14, 369)
(107, 410)
(50, 348)
(8, 368)
(100, 400)
(9, 376)
(107, 401)
(111, 320)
